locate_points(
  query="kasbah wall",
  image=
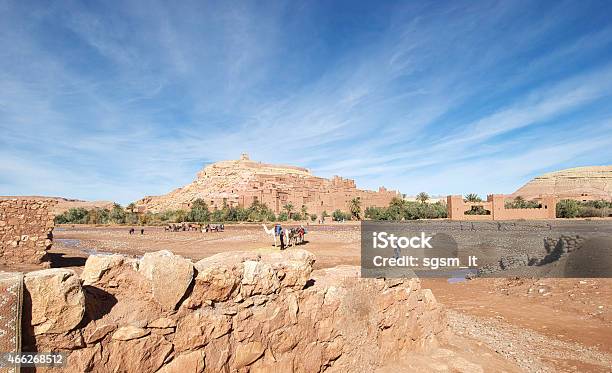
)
(495, 203)
(288, 185)
(317, 194)
(26, 227)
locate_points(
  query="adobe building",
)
(242, 182)
(495, 206)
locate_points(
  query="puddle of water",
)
(68, 242)
(76, 244)
(459, 276)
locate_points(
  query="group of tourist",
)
(293, 235)
(213, 228)
(189, 227)
(184, 227)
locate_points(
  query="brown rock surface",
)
(57, 300)
(269, 312)
(191, 362)
(170, 276)
(97, 265)
(240, 182)
(247, 354)
(582, 183)
(126, 333)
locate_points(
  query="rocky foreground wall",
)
(232, 312)
(25, 230)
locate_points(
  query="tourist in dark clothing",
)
(142, 231)
(282, 238)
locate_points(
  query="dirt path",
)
(530, 350)
(333, 245)
(570, 310)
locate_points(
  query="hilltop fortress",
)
(241, 182)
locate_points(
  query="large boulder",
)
(170, 276)
(58, 302)
(97, 265)
(244, 274)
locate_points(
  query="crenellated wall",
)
(495, 205)
(26, 227)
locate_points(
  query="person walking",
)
(282, 237)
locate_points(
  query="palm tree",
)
(289, 208)
(519, 202)
(422, 197)
(472, 197)
(131, 207)
(355, 207)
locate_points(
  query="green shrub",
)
(117, 214)
(338, 215)
(199, 211)
(583, 209)
(375, 213)
(73, 216)
(520, 203)
(568, 208)
(477, 210)
(400, 209)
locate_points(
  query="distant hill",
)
(64, 204)
(580, 183)
(241, 182)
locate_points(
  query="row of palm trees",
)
(472, 197)
(354, 205)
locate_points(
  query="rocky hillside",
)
(241, 182)
(225, 179)
(582, 183)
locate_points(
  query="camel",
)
(295, 236)
(270, 232)
(290, 236)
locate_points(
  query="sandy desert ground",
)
(536, 325)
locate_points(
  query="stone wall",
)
(26, 227)
(495, 205)
(232, 312)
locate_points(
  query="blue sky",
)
(117, 100)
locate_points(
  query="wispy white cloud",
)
(109, 102)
